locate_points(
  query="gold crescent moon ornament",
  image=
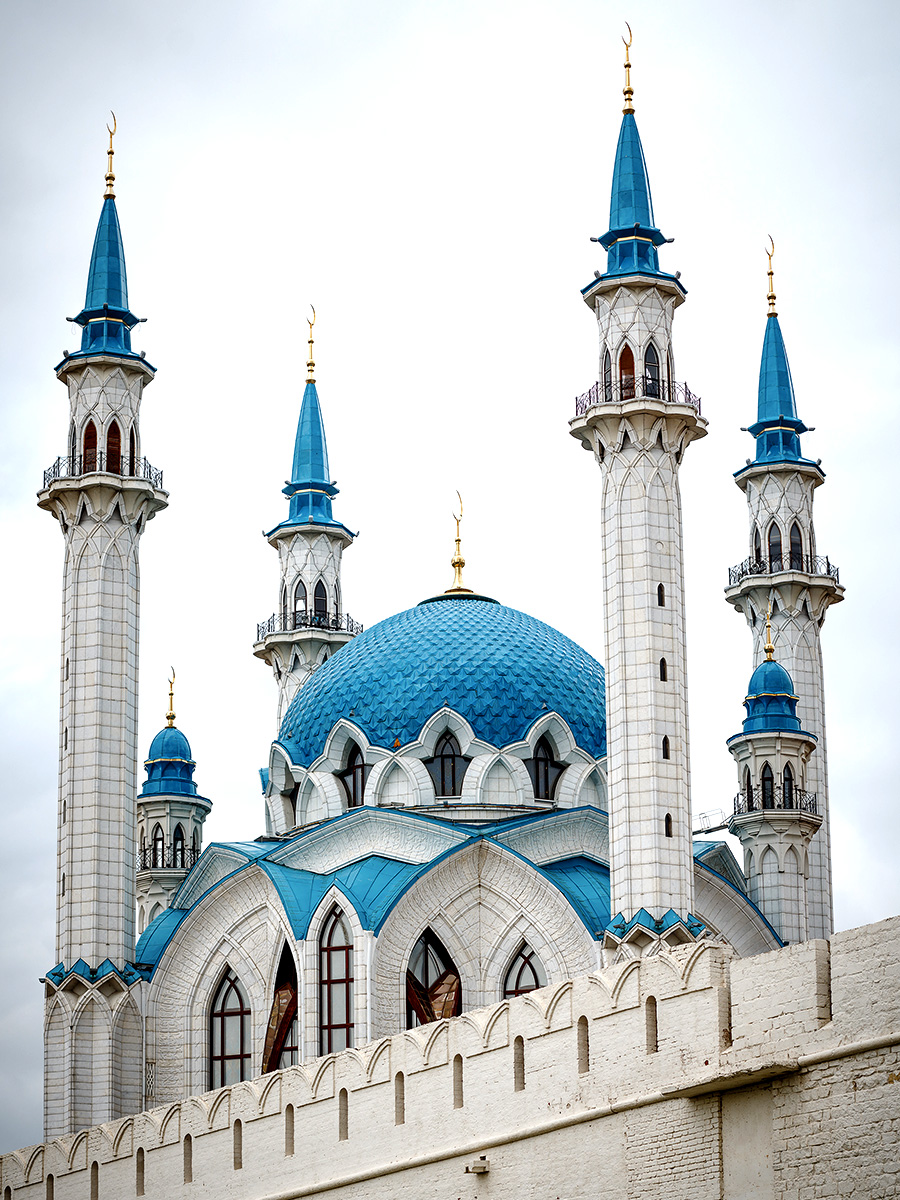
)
(310, 364)
(630, 37)
(113, 130)
(110, 178)
(628, 90)
(312, 322)
(170, 715)
(771, 295)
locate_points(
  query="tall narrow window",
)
(651, 1025)
(626, 373)
(337, 601)
(774, 547)
(159, 846)
(95, 1181)
(50, 1188)
(90, 447)
(544, 770)
(229, 1033)
(665, 747)
(285, 610)
(757, 545)
(139, 1172)
(114, 449)
(651, 371)
(237, 1146)
(320, 604)
(668, 825)
(768, 787)
(399, 1099)
(457, 1081)
(787, 785)
(748, 789)
(432, 983)
(178, 847)
(584, 1048)
(660, 595)
(300, 605)
(343, 1116)
(132, 452)
(518, 1064)
(63, 883)
(288, 1130)
(336, 984)
(796, 548)
(607, 377)
(525, 973)
(188, 1158)
(280, 1049)
(448, 766)
(663, 670)
(195, 846)
(73, 448)
(353, 777)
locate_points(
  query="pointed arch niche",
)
(114, 448)
(90, 447)
(626, 373)
(433, 989)
(281, 1046)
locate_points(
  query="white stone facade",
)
(689, 1074)
(160, 876)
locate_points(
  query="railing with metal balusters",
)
(809, 564)
(759, 799)
(99, 461)
(647, 387)
(285, 622)
(175, 856)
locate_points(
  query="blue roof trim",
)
(127, 973)
(620, 927)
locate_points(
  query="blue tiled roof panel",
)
(585, 884)
(157, 936)
(630, 202)
(107, 282)
(498, 667)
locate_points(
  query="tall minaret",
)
(638, 422)
(309, 624)
(784, 572)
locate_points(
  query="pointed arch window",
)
(748, 789)
(544, 770)
(178, 859)
(607, 377)
(229, 1033)
(626, 373)
(787, 785)
(159, 846)
(774, 547)
(353, 777)
(432, 983)
(447, 767)
(320, 604)
(757, 545)
(285, 611)
(525, 973)
(663, 670)
(337, 600)
(195, 845)
(667, 826)
(114, 449)
(796, 548)
(336, 984)
(90, 447)
(768, 787)
(651, 371)
(665, 747)
(660, 595)
(281, 1049)
(132, 451)
(300, 604)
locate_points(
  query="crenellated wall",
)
(688, 1074)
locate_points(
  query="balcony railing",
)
(808, 563)
(777, 797)
(628, 387)
(108, 464)
(176, 856)
(284, 622)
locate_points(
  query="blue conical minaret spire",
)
(777, 429)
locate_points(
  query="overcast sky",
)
(428, 174)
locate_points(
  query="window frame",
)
(218, 1016)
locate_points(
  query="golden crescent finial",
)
(110, 178)
(170, 715)
(769, 646)
(310, 365)
(771, 295)
(628, 90)
(457, 562)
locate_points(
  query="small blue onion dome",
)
(771, 702)
(495, 666)
(169, 766)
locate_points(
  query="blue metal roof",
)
(169, 766)
(632, 238)
(777, 429)
(585, 884)
(771, 702)
(157, 935)
(495, 666)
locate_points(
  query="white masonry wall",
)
(689, 1074)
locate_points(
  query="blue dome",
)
(169, 766)
(495, 666)
(170, 743)
(771, 703)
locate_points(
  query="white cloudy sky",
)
(428, 174)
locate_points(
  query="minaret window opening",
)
(300, 604)
(433, 988)
(229, 1033)
(337, 600)
(748, 789)
(660, 595)
(787, 785)
(90, 448)
(353, 777)
(285, 612)
(114, 449)
(132, 452)
(663, 670)
(757, 545)
(668, 825)
(448, 767)
(72, 440)
(796, 548)
(336, 984)
(281, 1049)
(159, 847)
(525, 973)
(651, 371)
(768, 787)
(774, 547)
(607, 377)
(63, 888)
(670, 373)
(665, 747)
(626, 373)
(195, 845)
(178, 848)
(320, 604)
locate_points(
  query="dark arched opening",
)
(432, 983)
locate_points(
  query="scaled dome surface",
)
(495, 666)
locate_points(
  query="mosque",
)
(461, 806)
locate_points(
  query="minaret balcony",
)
(778, 798)
(807, 564)
(640, 387)
(287, 622)
(176, 856)
(98, 462)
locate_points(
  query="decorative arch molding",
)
(337, 746)
(471, 900)
(581, 786)
(499, 958)
(556, 728)
(502, 774)
(400, 780)
(446, 720)
(583, 831)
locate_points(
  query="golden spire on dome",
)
(628, 90)
(457, 562)
(771, 295)
(110, 178)
(769, 647)
(170, 715)
(310, 365)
